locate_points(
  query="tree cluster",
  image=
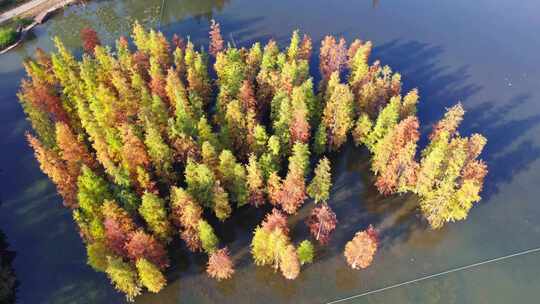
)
(140, 141)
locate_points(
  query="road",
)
(23, 9)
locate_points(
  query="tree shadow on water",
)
(441, 86)
(508, 151)
(419, 63)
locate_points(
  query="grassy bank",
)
(9, 33)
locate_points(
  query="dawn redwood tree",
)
(274, 186)
(275, 220)
(118, 227)
(394, 161)
(306, 252)
(338, 114)
(450, 176)
(124, 277)
(72, 149)
(89, 39)
(143, 245)
(207, 236)
(360, 250)
(216, 41)
(220, 265)
(319, 188)
(271, 245)
(255, 182)
(57, 170)
(289, 263)
(97, 254)
(322, 222)
(233, 176)
(186, 214)
(333, 56)
(150, 276)
(154, 213)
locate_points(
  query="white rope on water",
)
(161, 14)
(437, 275)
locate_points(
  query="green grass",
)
(8, 35)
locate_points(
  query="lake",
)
(483, 53)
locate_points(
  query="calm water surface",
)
(483, 52)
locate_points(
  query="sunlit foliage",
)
(220, 265)
(360, 250)
(145, 146)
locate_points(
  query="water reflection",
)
(114, 18)
(8, 280)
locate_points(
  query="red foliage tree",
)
(186, 214)
(300, 129)
(304, 51)
(178, 42)
(191, 237)
(399, 168)
(90, 39)
(144, 245)
(360, 250)
(275, 220)
(333, 56)
(141, 63)
(134, 155)
(274, 186)
(293, 193)
(216, 41)
(44, 97)
(247, 97)
(322, 223)
(118, 227)
(158, 84)
(57, 170)
(220, 265)
(73, 150)
(115, 236)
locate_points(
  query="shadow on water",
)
(8, 279)
(443, 86)
(506, 153)
(440, 86)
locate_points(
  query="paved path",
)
(19, 10)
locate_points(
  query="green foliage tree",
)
(208, 238)
(154, 213)
(319, 188)
(97, 253)
(233, 176)
(306, 252)
(150, 276)
(200, 182)
(124, 277)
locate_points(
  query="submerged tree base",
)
(139, 143)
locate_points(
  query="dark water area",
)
(483, 53)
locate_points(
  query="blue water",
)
(483, 53)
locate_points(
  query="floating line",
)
(437, 275)
(161, 14)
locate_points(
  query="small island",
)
(145, 147)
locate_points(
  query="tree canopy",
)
(145, 146)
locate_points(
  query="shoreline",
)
(38, 18)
